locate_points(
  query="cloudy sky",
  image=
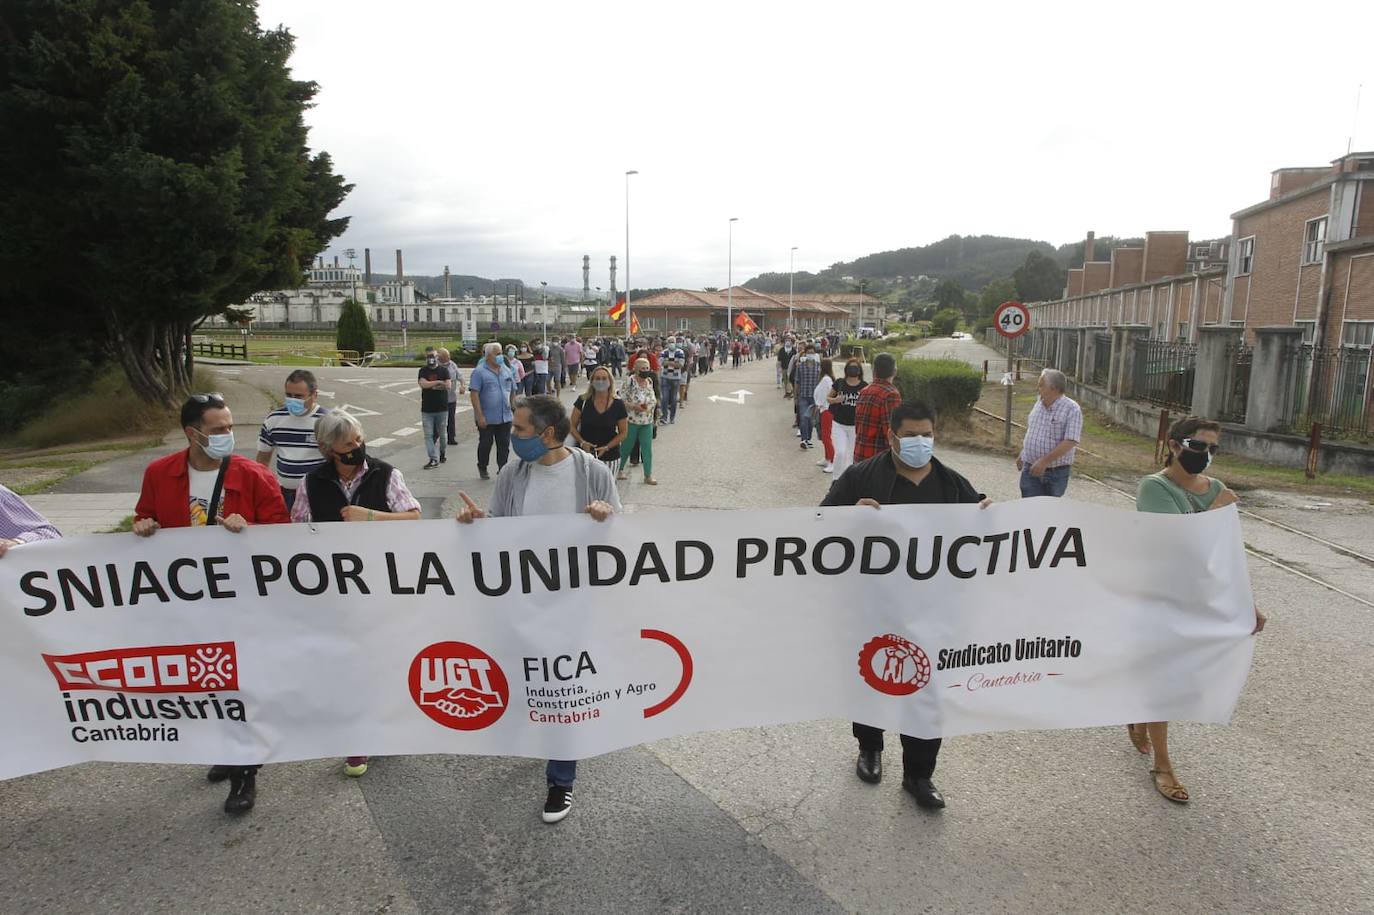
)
(843, 129)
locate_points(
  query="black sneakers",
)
(558, 804)
(430, 466)
(243, 790)
(218, 774)
(482, 472)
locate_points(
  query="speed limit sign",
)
(1012, 319)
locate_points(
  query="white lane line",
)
(358, 411)
(395, 384)
(379, 442)
(405, 393)
(329, 394)
(408, 430)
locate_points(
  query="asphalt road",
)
(767, 819)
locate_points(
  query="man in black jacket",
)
(906, 474)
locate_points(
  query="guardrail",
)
(220, 350)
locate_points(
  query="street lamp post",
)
(791, 268)
(627, 252)
(598, 311)
(859, 309)
(730, 281)
(544, 314)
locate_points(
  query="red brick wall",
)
(1075, 284)
(1273, 285)
(1126, 266)
(1166, 254)
(1364, 214)
(1096, 275)
(1352, 292)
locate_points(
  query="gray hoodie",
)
(594, 482)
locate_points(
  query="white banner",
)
(560, 637)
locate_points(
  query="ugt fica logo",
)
(199, 668)
(459, 685)
(891, 664)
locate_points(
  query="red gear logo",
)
(459, 685)
(891, 664)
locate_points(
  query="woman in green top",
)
(1180, 489)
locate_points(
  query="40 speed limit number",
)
(1012, 319)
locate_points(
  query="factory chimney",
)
(367, 266)
(613, 298)
(400, 274)
(448, 284)
(1088, 249)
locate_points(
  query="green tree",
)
(949, 294)
(1039, 278)
(163, 175)
(945, 322)
(994, 294)
(354, 331)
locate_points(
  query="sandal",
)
(1174, 792)
(1140, 738)
(650, 481)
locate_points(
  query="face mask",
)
(1193, 461)
(500, 360)
(295, 406)
(601, 384)
(852, 372)
(788, 347)
(353, 458)
(915, 450)
(218, 447)
(431, 360)
(645, 373)
(528, 449)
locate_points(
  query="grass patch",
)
(123, 527)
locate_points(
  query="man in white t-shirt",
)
(289, 432)
(549, 479)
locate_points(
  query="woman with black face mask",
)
(1180, 489)
(843, 397)
(351, 486)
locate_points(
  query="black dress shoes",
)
(218, 774)
(243, 791)
(925, 792)
(869, 768)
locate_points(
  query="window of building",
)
(1358, 333)
(416, 318)
(684, 323)
(1309, 330)
(441, 316)
(391, 315)
(495, 314)
(379, 315)
(1245, 262)
(1183, 331)
(1314, 240)
(429, 315)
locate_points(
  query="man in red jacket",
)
(209, 484)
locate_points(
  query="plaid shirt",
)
(875, 405)
(808, 376)
(19, 521)
(1046, 427)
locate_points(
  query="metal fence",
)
(1239, 359)
(1330, 386)
(1102, 359)
(1068, 355)
(1165, 372)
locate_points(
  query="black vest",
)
(327, 499)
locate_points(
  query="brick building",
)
(701, 311)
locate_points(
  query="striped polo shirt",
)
(293, 439)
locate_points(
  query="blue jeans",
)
(804, 404)
(1053, 483)
(436, 430)
(561, 772)
(669, 408)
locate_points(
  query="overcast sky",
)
(843, 129)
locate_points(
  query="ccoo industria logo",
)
(185, 682)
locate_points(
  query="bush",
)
(945, 322)
(950, 386)
(354, 332)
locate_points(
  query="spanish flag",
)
(634, 324)
(617, 311)
(745, 323)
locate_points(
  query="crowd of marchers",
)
(313, 466)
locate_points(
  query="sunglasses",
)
(212, 397)
(1199, 446)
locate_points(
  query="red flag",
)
(617, 311)
(634, 324)
(745, 323)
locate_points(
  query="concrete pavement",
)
(766, 819)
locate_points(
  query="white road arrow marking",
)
(379, 442)
(358, 411)
(395, 384)
(326, 393)
(408, 430)
(737, 399)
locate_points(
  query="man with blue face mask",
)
(289, 432)
(549, 479)
(906, 474)
(204, 485)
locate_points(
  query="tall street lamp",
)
(597, 300)
(627, 252)
(544, 313)
(791, 268)
(730, 281)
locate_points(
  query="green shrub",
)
(945, 322)
(354, 331)
(950, 386)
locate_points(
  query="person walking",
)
(434, 380)
(904, 473)
(785, 367)
(807, 374)
(871, 411)
(1180, 489)
(351, 487)
(289, 433)
(641, 401)
(572, 352)
(541, 371)
(557, 368)
(455, 387)
(820, 399)
(208, 484)
(548, 479)
(1053, 431)
(600, 421)
(671, 378)
(843, 398)
(492, 390)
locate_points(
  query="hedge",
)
(950, 386)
